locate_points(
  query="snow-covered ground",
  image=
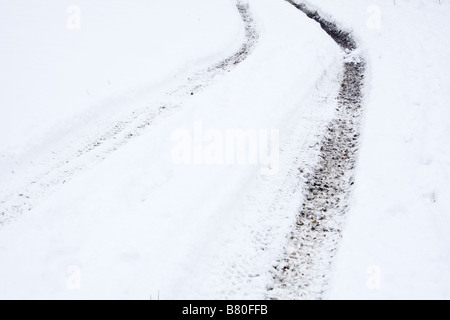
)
(139, 222)
(52, 71)
(396, 244)
(116, 179)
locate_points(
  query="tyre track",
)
(302, 272)
(110, 136)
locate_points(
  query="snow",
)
(97, 206)
(51, 73)
(396, 243)
(137, 225)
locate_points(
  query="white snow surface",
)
(126, 222)
(50, 73)
(136, 225)
(396, 244)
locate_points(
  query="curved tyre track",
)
(302, 272)
(111, 135)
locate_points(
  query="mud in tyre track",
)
(303, 271)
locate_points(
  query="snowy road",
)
(140, 222)
(206, 149)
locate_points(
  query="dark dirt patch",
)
(303, 272)
(251, 36)
(343, 38)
